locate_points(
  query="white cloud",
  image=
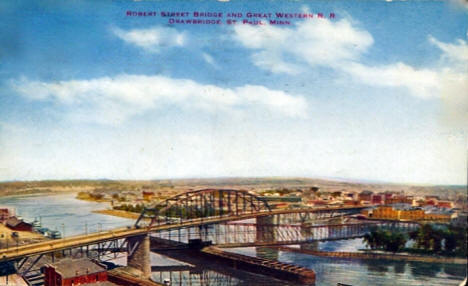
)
(448, 82)
(273, 61)
(456, 53)
(110, 100)
(341, 45)
(421, 83)
(210, 60)
(320, 42)
(453, 82)
(454, 91)
(152, 39)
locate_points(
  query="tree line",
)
(445, 240)
(138, 208)
(173, 211)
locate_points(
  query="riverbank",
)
(118, 213)
(34, 194)
(378, 256)
(89, 199)
(22, 237)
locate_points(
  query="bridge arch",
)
(204, 203)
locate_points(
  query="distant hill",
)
(253, 184)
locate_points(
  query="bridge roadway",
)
(15, 253)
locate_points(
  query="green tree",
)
(436, 241)
(460, 236)
(425, 237)
(369, 239)
(381, 238)
(387, 240)
(395, 241)
(453, 239)
(450, 240)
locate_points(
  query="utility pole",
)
(86, 227)
(63, 230)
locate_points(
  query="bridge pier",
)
(307, 234)
(139, 254)
(265, 231)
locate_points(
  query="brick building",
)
(439, 214)
(147, 195)
(14, 223)
(349, 202)
(413, 213)
(409, 213)
(445, 204)
(388, 196)
(382, 212)
(70, 272)
(400, 199)
(377, 199)
(365, 195)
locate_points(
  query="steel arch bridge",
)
(205, 203)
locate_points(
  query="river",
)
(64, 212)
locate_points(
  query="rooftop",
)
(14, 221)
(436, 210)
(404, 206)
(76, 267)
(366, 192)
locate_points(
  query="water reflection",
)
(194, 277)
(375, 266)
(420, 269)
(342, 245)
(399, 267)
(455, 270)
(330, 271)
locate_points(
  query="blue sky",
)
(379, 92)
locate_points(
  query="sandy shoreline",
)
(118, 213)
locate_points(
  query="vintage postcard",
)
(233, 142)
